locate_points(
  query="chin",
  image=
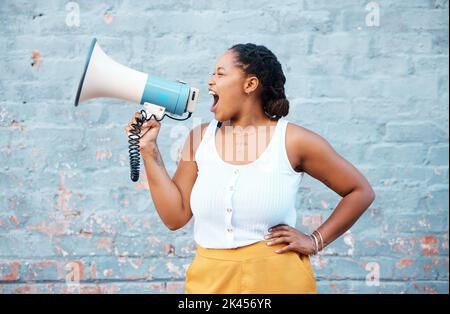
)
(218, 116)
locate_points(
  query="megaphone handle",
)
(133, 148)
(134, 137)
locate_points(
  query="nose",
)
(211, 81)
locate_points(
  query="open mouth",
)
(215, 101)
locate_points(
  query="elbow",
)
(371, 199)
(367, 194)
(179, 223)
(173, 227)
(371, 195)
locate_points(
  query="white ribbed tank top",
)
(234, 205)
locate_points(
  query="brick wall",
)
(376, 89)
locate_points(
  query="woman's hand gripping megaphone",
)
(148, 131)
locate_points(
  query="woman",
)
(235, 202)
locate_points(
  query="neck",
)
(250, 116)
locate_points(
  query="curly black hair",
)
(258, 60)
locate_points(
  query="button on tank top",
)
(235, 205)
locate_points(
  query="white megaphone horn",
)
(104, 77)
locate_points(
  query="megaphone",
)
(104, 77)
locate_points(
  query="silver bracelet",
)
(316, 244)
(321, 239)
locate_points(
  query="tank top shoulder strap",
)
(212, 127)
(204, 144)
(279, 134)
(281, 139)
(282, 130)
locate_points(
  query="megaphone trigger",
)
(154, 111)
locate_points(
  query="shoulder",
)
(302, 142)
(299, 133)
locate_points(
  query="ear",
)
(251, 84)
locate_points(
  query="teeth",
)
(212, 93)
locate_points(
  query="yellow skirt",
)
(250, 269)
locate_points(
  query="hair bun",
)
(277, 107)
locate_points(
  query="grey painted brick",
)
(440, 42)
(438, 197)
(316, 66)
(402, 42)
(323, 4)
(430, 64)
(315, 21)
(398, 154)
(379, 95)
(414, 132)
(382, 66)
(438, 155)
(341, 44)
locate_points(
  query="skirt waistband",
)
(253, 250)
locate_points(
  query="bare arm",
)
(321, 161)
(171, 196)
(164, 192)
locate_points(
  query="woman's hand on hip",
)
(296, 240)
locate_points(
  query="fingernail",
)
(269, 243)
(277, 251)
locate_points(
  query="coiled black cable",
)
(134, 137)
